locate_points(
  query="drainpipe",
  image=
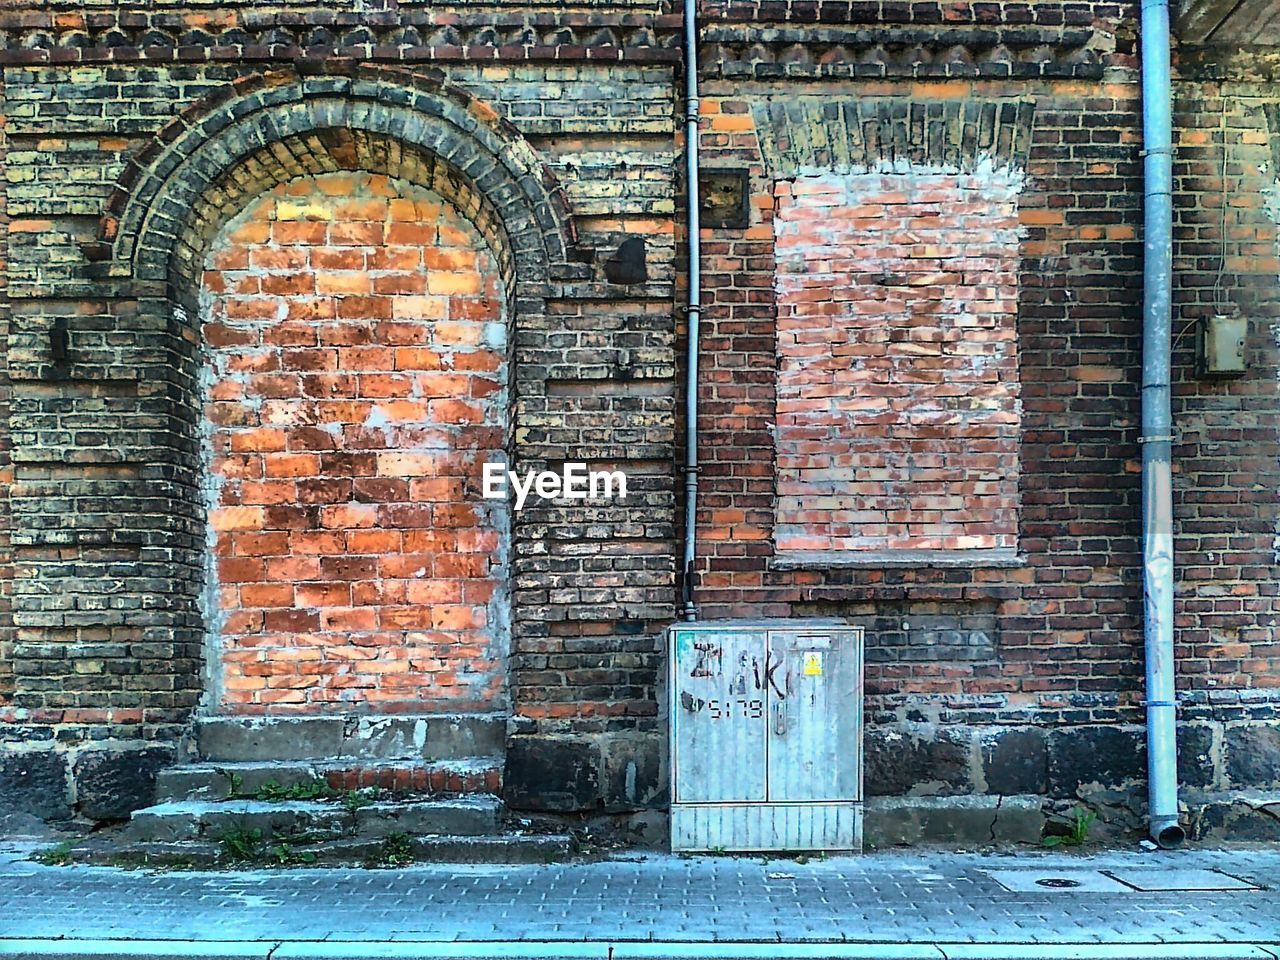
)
(689, 610)
(1157, 426)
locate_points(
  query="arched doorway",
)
(168, 211)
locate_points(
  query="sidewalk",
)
(884, 905)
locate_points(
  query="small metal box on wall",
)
(766, 735)
(1221, 346)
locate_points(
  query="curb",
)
(603, 950)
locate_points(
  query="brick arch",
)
(334, 150)
(234, 144)
(210, 161)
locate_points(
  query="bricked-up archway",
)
(354, 378)
(212, 163)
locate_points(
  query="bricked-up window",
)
(897, 410)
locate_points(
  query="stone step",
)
(245, 779)
(313, 820)
(360, 851)
(420, 737)
(508, 848)
(968, 819)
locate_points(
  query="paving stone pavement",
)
(898, 898)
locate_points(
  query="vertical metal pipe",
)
(1157, 425)
(689, 609)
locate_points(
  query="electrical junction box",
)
(766, 735)
(1221, 346)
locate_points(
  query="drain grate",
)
(1171, 879)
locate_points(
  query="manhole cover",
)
(1047, 880)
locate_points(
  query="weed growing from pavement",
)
(1077, 834)
(59, 855)
(284, 854)
(315, 789)
(252, 845)
(273, 791)
(355, 800)
(239, 843)
(235, 783)
(396, 851)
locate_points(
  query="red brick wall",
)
(1059, 639)
(897, 404)
(1227, 453)
(1056, 638)
(356, 381)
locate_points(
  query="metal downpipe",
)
(1157, 426)
(689, 610)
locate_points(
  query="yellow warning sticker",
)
(813, 663)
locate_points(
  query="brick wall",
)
(897, 417)
(6, 462)
(1045, 653)
(1228, 438)
(134, 136)
(356, 382)
(525, 150)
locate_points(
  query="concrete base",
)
(226, 780)
(952, 821)
(1237, 815)
(424, 737)
(351, 851)
(464, 816)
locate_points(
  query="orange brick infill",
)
(355, 380)
(898, 410)
(417, 778)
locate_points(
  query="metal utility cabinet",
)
(766, 735)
